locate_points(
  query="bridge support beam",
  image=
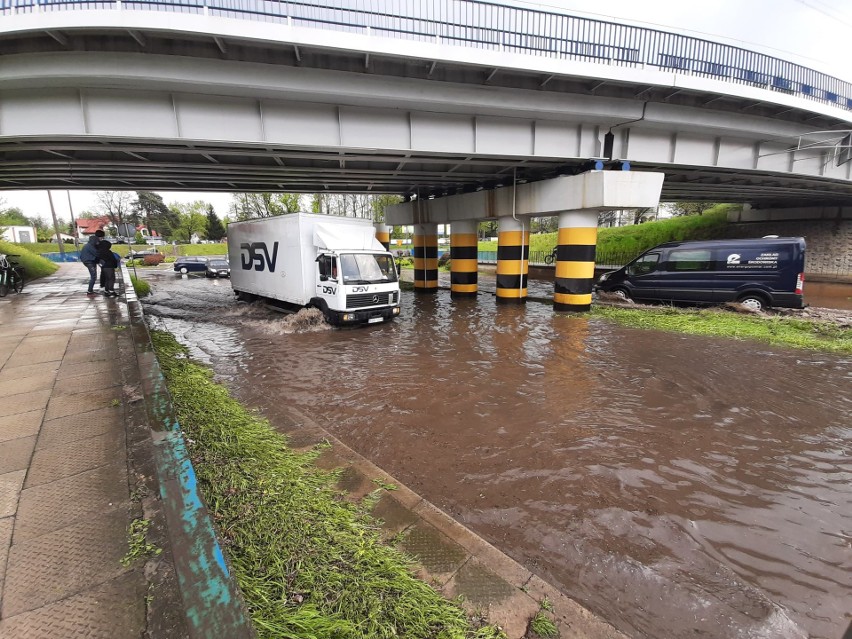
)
(513, 254)
(463, 259)
(383, 234)
(425, 258)
(575, 261)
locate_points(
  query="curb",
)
(211, 598)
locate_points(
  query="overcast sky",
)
(814, 33)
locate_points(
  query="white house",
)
(19, 234)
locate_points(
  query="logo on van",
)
(734, 258)
(256, 254)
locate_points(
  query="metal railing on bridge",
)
(487, 25)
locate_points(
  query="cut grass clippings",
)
(777, 331)
(309, 564)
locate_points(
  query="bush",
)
(153, 260)
(35, 266)
(170, 260)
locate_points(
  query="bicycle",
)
(11, 275)
(550, 259)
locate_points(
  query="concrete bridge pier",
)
(513, 253)
(383, 233)
(575, 260)
(464, 267)
(426, 258)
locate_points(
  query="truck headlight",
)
(346, 317)
(396, 310)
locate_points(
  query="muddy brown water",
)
(678, 486)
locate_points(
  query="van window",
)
(644, 264)
(328, 266)
(691, 260)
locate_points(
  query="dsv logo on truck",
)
(257, 254)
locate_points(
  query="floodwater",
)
(678, 486)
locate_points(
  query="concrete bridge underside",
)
(165, 109)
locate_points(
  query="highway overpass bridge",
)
(427, 98)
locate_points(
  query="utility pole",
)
(73, 222)
(56, 227)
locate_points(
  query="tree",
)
(150, 209)
(643, 215)
(215, 228)
(192, 220)
(13, 217)
(380, 203)
(249, 206)
(680, 209)
(116, 205)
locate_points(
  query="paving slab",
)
(83, 368)
(80, 356)
(113, 610)
(57, 565)
(29, 370)
(85, 383)
(57, 462)
(27, 358)
(37, 382)
(440, 557)
(15, 454)
(20, 425)
(10, 490)
(63, 405)
(71, 428)
(49, 507)
(24, 402)
(5, 541)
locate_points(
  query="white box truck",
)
(335, 264)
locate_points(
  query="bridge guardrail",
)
(488, 25)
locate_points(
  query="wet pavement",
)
(679, 486)
(64, 490)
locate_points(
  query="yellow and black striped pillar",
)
(463, 259)
(425, 258)
(513, 253)
(383, 234)
(575, 261)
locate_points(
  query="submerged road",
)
(678, 486)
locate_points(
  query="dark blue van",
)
(757, 273)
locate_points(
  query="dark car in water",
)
(191, 264)
(757, 273)
(218, 268)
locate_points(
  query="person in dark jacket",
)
(89, 258)
(108, 265)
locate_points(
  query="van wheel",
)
(184, 270)
(622, 293)
(753, 301)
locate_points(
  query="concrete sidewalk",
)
(68, 470)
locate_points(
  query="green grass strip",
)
(141, 286)
(777, 331)
(309, 564)
(35, 266)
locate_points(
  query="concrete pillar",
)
(575, 260)
(425, 258)
(463, 259)
(383, 233)
(513, 252)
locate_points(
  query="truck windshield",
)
(366, 268)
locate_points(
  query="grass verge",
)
(309, 564)
(141, 286)
(777, 331)
(35, 266)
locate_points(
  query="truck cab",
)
(356, 287)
